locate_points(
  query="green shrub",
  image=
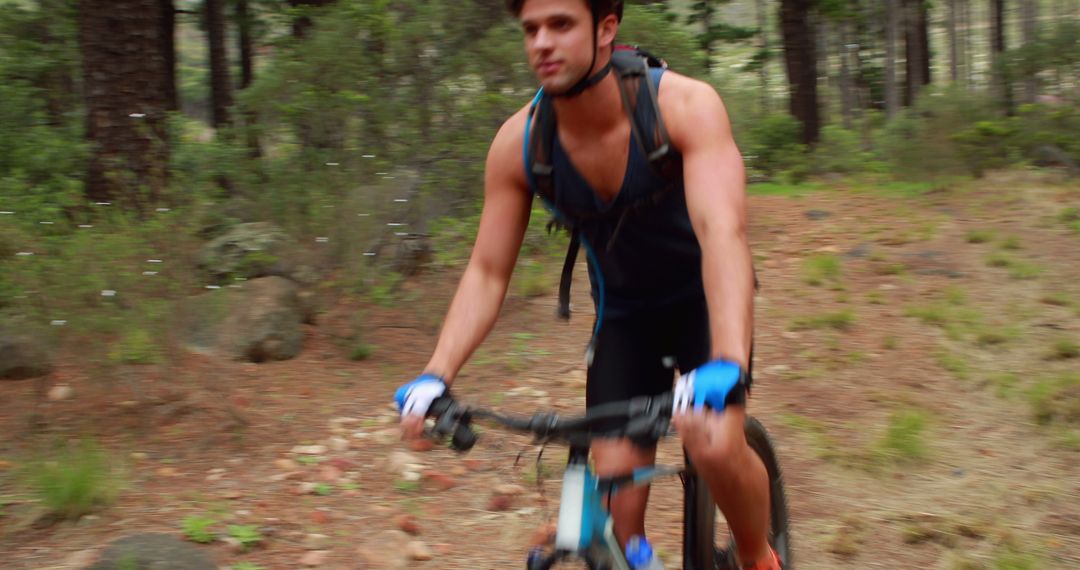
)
(360, 351)
(247, 535)
(136, 346)
(771, 145)
(905, 436)
(197, 529)
(822, 269)
(74, 480)
(979, 236)
(842, 151)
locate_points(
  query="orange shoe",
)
(770, 562)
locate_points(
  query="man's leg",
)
(617, 457)
(716, 444)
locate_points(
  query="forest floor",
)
(915, 362)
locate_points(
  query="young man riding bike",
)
(672, 280)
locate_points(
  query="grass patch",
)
(889, 343)
(840, 320)
(1024, 270)
(1068, 215)
(781, 189)
(824, 446)
(136, 346)
(247, 535)
(1011, 243)
(197, 529)
(822, 269)
(980, 236)
(530, 279)
(1064, 349)
(1056, 299)
(994, 335)
(998, 259)
(955, 364)
(1056, 399)
(74, 480)
(905, 437)
(360, 351)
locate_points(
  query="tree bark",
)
(847, 91)
(220, 85)
(168, 52)
(892, 27)
(301, 24)
(950, 24)
(763, 71)
(123, 74)
(800, 60)
(1000, 83)
(245, 41)
(913, 42)
(1030, 14)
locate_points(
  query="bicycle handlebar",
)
(644, 417)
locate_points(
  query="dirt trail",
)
(837, 364)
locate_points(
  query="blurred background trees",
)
(163, 123)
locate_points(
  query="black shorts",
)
(638, 355)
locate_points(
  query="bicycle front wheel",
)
(702, 548)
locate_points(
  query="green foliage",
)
(650, 27)
(822, 269)
(1065, 349)
(247, 566)
(196, 528)
(905, 436)
(1056, 399)
(771, 146)
(979, 236)
(247, 535)
(839, 320)
(74, 480)
(360, 351)
(136, 346)
(844, 151)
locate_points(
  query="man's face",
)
(559, 41)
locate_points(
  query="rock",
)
(80, 559)
(309, 449)
(410, 254)
(458, 471)
(421, 445)
(407, 523)
(168, 472)
(338, 444)
(151, 550)
(316, 542)
(320, 517)
(246, 250)
(23, 355)
(314, 558)
(60, 392)
(329, 473)
(305, 488)
(442, 481)
(286, 464)
(499, 503)
(139, 456)
(509, 489)
(5, 465)
(234, 545)
(816, 214)
(399, 461)
(417, 550)
(266, 324)
(232, 494)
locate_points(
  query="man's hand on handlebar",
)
(413, 400)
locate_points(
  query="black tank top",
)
(654, 259)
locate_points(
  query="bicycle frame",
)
(584, 528)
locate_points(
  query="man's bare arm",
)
(480, 294)
(716, 198)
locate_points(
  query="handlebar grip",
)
(464, 437)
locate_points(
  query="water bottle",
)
(640, 555)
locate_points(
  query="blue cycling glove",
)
(707, 385)
(414, 398)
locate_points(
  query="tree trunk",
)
(245, 43)
(168, 52)
(847, 91)
(1000, 83)
(1030, 14)
(220, 85)
(913, 41)
(950, 23)
(801, 62)
(123, 74)
(965, 21)
(763, 70)
(302, 23)
(892, 27)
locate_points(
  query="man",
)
(672, 281)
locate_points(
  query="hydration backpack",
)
(631, 66)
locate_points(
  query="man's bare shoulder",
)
(505, 155)
(689, 105)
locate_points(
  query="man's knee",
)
(725, 448)
(614, 457)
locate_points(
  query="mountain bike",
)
(584, 528)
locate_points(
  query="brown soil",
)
(993, 481)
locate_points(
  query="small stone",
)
(316, 542)
(232, 494)
(309, 449)
(60, 392)
(387, 436)
(443, 549)
(314, 558)
(320, 517)
(233, 544)
(287, 476)
(139, 456)
(341, 463)
(343, 421)
(286, 464)
(410, 475)
(499, 503)
(167, 472)
(80, 559)
(458, 471)
(421, 445)
(329, 473)
(5, 465)
(215, 477)
(305, 488)
(399, 460)
(407, 523)
(338, 444)
(440, 480)
(790, 335)
(473, 464)
(417, 550)
(509, 489)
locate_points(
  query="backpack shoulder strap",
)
(638, 76)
